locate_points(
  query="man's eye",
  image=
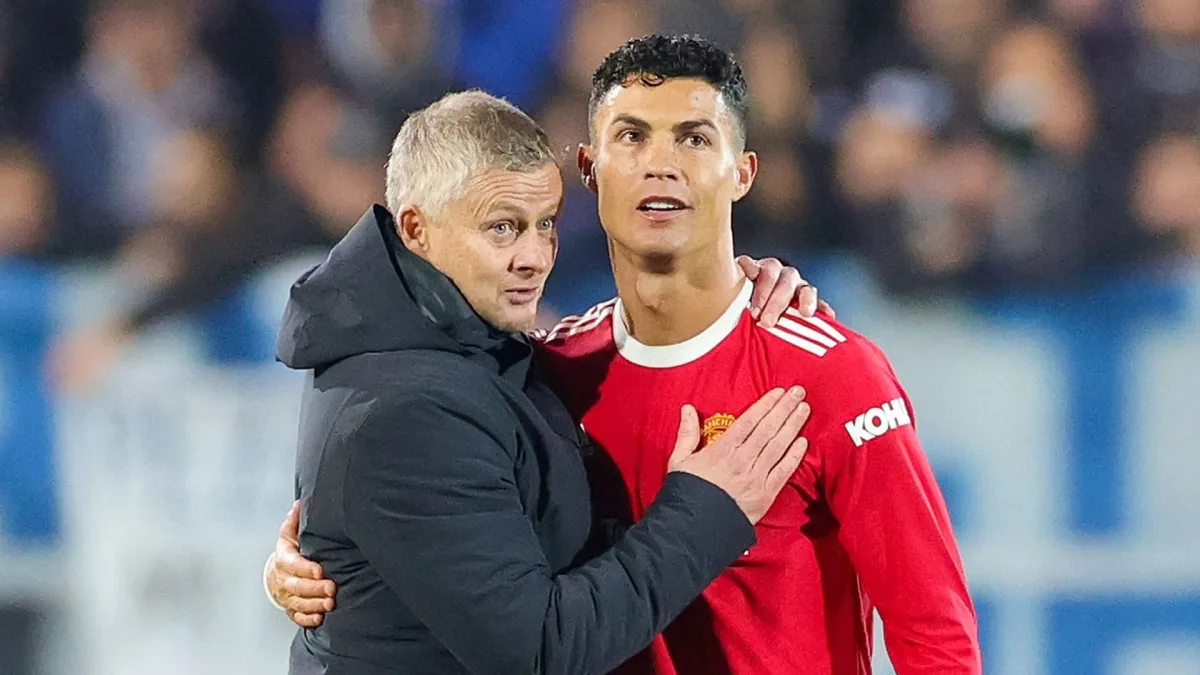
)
(546, 224)
(631, 135)
(696, 140)
(503, 228)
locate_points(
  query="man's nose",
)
(535, 254)
(662, 160)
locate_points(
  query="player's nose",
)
(661, 160)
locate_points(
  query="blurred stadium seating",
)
(1004, 195)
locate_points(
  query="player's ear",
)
(587, 166)
(413, 228)
(747, 169)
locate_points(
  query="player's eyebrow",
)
(635, 122)
(693, 125)
(679, 128)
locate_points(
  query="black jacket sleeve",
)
(431, 500)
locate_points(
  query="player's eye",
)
(630, 135)
(546, 224)
(696, 140)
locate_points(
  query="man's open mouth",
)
(661, 205)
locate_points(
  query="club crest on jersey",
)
(878, 421)
(715, 426)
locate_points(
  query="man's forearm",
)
(690, 534)
(500, 612)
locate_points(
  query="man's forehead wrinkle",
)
(503, 205)
(516, 193)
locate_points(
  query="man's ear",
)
(747, 169)
(413, 228)
(587, 167)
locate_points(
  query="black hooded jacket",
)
(445, 494)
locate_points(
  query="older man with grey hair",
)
(442, 483)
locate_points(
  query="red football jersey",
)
(861, 526)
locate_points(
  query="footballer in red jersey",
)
(864, 527)
(862, 523)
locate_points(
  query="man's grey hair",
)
(460, 136)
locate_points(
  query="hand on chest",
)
(634, 430)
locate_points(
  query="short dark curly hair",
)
(654, 59)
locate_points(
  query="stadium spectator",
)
(390, 56)
(142, 79)
(1166, 196)
(212, 231)
(28, 498)
(26, 200)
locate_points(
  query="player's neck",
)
(668, 302)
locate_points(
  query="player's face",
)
(497, 242)
(668, 166)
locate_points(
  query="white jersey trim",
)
(812, 334)
(805, 332)
(819, 323)
(573, 325)
(797, 341)
(670, 356)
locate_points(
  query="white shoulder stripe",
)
(823, 325)
(805, 331)
(585, 322)
(798, 341)
(590, 323)
(819, 323)
(597, 309)
(591, 312)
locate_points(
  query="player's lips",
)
(522, 296)
(661, 208)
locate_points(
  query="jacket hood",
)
(374, 295)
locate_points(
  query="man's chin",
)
(657, 246)
(657, 258)
(518, 319)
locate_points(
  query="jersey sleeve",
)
(893, 520)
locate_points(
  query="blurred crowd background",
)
(1004, 193)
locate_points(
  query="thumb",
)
(688, 437)
(290, 529)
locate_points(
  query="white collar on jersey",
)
(670, 356)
